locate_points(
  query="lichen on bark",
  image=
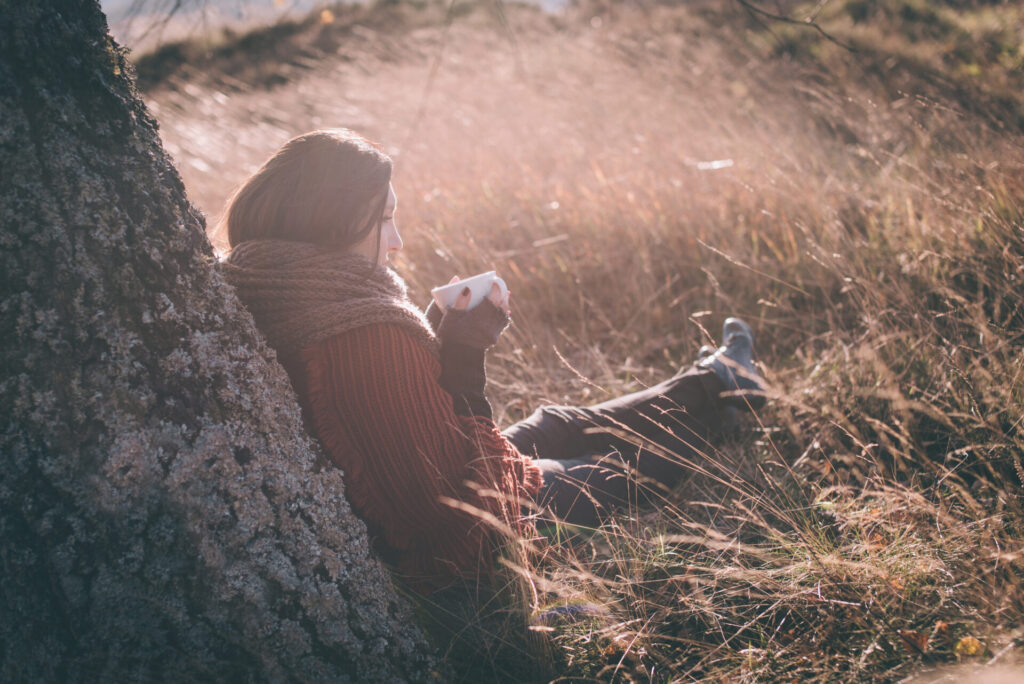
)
(163, 514)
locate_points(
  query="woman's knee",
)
(549, 432)
(582, 491)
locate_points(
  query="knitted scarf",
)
(300, 293)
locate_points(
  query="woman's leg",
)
(584, 452)
(672, 414)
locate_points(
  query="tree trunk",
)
(162, 512)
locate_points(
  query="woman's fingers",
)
(454, 279)
(497, 299)
(495, 295)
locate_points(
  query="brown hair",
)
(327, 187)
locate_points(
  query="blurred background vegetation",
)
(638, 171)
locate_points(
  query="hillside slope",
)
(639, 172)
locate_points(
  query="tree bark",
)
(162, 512)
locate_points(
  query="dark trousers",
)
(624, 450)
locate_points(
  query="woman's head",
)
(330, 187)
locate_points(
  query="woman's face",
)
(390, 241)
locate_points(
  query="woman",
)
(397, 397)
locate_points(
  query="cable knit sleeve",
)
(415, 471)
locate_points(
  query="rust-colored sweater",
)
(416, 472)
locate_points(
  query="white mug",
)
(479, 287)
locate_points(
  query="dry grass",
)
(638, 173)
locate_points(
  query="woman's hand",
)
(479, 327)
(462, 301)
(435, 312)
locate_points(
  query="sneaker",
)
(733, 363)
